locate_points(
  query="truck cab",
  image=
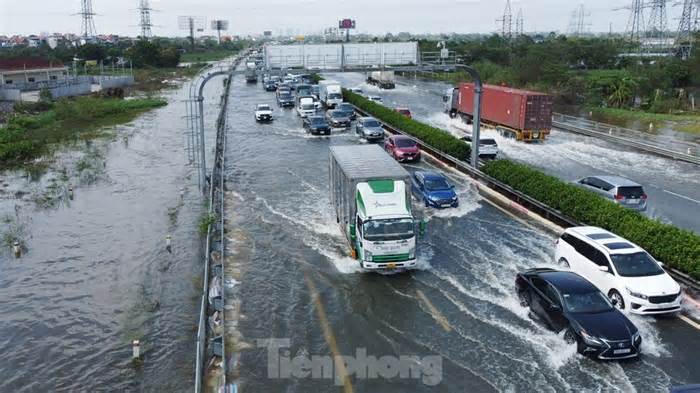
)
(306, 106)
(384, 228)
(331, 93)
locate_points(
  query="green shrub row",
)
(677, 248)
(432, 136)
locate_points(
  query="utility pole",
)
(506, 22)
(145, 11)
(87, 26)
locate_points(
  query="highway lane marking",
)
(682, 196)
(690, 321)
(437, 315)
(328, 334)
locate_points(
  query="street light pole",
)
(476, 118)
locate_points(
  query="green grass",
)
(630, 114)
(212, 55)
(28, 136)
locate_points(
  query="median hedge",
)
(676, 247)
(432, 136)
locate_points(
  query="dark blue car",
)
(434, 190)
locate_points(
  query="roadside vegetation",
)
(33, 128)
(585, 72)
(676, 247)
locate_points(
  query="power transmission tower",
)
(145, 11)
(87, 27)
(635, 23)
(578, 24)
(656, 32)
(519, 23)
(687, 27)
(506, 22)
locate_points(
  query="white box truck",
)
(383, 79)
(330, 93)
(251, 73)
(371, 194)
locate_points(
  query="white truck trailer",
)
(330, 93)
(371, 194)
(383, 79)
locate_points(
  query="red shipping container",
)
(522, 111)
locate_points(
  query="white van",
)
(631, 278)
(306, 106)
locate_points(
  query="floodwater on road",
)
(95, 273)
(673, 186)
(458, 311)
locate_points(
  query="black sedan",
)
(338, 119)
(316, 125)
(567, 302)
(285, 99)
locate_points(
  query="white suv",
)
(631, 277)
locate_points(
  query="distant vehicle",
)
(330, 93)
(371, 195)
(304, 90)
(285, 99)
(306, 106)
(263, 112)
(627, 274)
(404, 111)
(251, 73)
(402, 148)
(622, 191)
(434, 190)
(316, 125)
(375, 99)
(316, 90)
(282, 87)
(269, 85)
(357, 90)
(565, 301)
(383, 79)
(338, 119)
(347, 108)
(488, 147)
(369, 129)
(525, 115)
(275, 79)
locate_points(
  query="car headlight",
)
(636, 336)
(368, 255)
(590, 339)
(411, 253)
(454, 198)
(637, 295)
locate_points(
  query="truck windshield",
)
(335, 96)
(307, 107)
(393, 229)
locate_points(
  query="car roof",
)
(612, 243)
(430, 175)
(366, 118)
(564, 281)
(316, 117)
(617, 181)
(402, 137)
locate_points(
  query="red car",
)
(402, 148)
(404, 111)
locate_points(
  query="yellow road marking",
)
(439, 318)
(690, 321)
(328, 334)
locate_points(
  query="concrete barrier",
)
(77, 89)
(114, 81)
(10, 94)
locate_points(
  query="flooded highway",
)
(95, 273)
(673, 186)
(457, 317)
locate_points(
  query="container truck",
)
(522, 114)
(251, 73)
(371, 194)
(330, 93)
(383, 79)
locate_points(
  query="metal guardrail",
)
(611, 133)
(215, 235)
(509, 192)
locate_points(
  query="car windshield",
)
(405, 143)
(263, 108)
(487, 142)
(436, 184)
(630, 191)
(404, 111)
(586, 303)
(285, 95)
(317, 120)
(335, 96)
(394, 229)
(337, 114)
(638, 264)
(370, 123)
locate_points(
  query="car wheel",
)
(522, 297)
(426, 202)
(614, 295)
(564, 263)
(570, 336)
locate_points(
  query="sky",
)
(312, 16)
